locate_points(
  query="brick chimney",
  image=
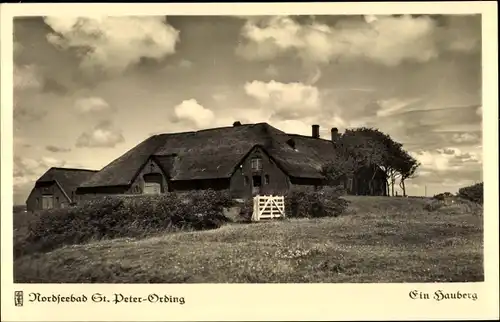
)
(315, 131)
(335, 133)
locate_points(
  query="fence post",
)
(272, 206)
(254, 215)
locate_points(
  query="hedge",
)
(324, 202)
(120, 216)
(472, 193)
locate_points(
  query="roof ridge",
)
(307, 137)
(210, 129)
(72, 169)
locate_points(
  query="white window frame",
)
(47, 202)
(256, 164)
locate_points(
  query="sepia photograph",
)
(259, 149)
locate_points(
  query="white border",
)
(218, 302)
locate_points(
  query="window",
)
(257, 164)
(152, 183)
(152, 188)
(47, 202)
(266, 179)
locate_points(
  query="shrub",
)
(472, 193)
(434, 204)
(319, 203)
(443, 196)
(306, 203)
(246, 210)
(121, 216)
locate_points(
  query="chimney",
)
(315, 131)
(335, 133)
(237, 123)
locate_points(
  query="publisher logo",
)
(18, 298)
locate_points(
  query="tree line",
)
(369, 148)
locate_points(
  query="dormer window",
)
(257, 164)
(47, 202)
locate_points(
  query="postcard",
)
(249, 161)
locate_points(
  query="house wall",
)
(278, 180)
(305, 184)
(137, 186)
(357, 185)
(191, 185)
(34, 201)
(361, 183)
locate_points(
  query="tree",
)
(355, 151)
(341, 167)
(371, 149)
(389, 152)
(407, 168)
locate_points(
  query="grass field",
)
(378, 240)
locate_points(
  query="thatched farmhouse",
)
(245, 159)
(56, 188)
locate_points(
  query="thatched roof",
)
(68, 178)
(215, 153)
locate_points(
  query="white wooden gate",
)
(268, 207)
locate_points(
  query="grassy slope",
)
(380, 240)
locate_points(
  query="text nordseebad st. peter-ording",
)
(115, 298)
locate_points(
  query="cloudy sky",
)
(87, 90)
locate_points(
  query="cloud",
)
(293, 127)
(288, 100)
(20, 142)
(18, 48)
(193, 112)
(271, 70)
(466, 138)
(103, 135)
(184, 63)
(57, 149)
(460, 33)
(22, 114)
(91, 105)
(419, 125)
(387, 40)
(112, 44)
(51, 85)
(31, 78)
(446, 159)
(393, 105)
(219, 97)
(370, 18)
(27, 171)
